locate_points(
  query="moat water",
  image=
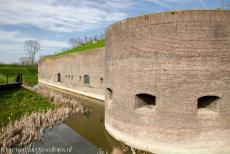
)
(83, 134)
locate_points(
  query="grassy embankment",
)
(82, 48)
(29, 73)
(15, 103)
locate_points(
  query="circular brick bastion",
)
(168, 82)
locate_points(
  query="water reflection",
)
(91, 128)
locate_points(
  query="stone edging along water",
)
(31, 127)
(91, 95)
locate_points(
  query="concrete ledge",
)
(158, 147)
(99, 97)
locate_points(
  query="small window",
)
(71, 77)
(86, 79)
(109, 94)
(208, 102)
(144, 99)
(101, 80)
(59, 77)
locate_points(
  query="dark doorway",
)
(59, 77)
(86, 79)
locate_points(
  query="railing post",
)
(7, 79)
(21, 77)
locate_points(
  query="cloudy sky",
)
(54, 22)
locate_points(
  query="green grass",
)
(87, 46)
(14, 103)
(29, 73)
(82, 48)
(2, 79)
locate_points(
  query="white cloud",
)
(163, 3)
(12, 46)
(15, 37)
(7, 35)
(13, 41)
(55, 16)
(168, 3)
(202, 3)
(53, 43)
(120, 3)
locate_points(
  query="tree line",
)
(78, 41)
(225, 4)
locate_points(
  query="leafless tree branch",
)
(32, 47)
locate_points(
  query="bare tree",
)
(32, 47)
(72, 42)
(95, 37)
(75, 42)
(80, 41)
(102, 36)
(91, 39)
(86, 39)
(225, 4)
(64, 49)
(25, 60)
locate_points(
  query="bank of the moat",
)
(25, 114)
(84, 133)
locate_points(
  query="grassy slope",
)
(14, 103)
(85, 47)
(29, 73)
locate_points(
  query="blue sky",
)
(54, 22)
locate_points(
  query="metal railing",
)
(10, 80)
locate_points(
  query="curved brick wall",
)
(177, 57)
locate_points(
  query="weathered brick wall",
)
(176, 57)
(72, 68)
